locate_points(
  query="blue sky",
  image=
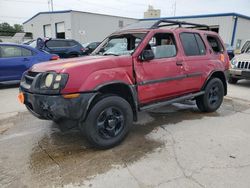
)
(17, 11)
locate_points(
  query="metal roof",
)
(68, 11)
(201, 16)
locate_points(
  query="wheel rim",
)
(214, 95)
(110, 123)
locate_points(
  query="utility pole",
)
(174, 7)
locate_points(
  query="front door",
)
(14, 61)
(161, 77)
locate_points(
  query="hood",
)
(242, 57)
(64, 65)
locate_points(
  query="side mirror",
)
(147, 55)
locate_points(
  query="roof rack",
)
(173, 23)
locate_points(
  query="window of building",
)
(192, 44)
(60, 30)
(163, 45)
(47, 31)
(215, 44)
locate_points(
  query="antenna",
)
(52, 6)
(175, 7)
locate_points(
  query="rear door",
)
(161, 77)
(195, 60)
(14, 61)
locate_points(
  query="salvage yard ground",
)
(175, 146)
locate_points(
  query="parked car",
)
(103, 92)
(64, 48)
(16, 59)
(230, 51)
(240, 65)
(90, 47)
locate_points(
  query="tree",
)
(8, 30)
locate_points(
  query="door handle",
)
(25, 59)
(179, 63)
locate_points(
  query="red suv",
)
(144, 66)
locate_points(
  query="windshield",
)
(33, 44)
(245, 48)
(124, 44)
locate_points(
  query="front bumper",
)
(239, 73)
(55, 107)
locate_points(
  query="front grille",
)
(243, 65)
(28, 79)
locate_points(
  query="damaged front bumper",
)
(56, 107)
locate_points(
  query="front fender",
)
(101, 77)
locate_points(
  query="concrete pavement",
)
(175, 146)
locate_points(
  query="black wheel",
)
(108, 122)
(232, 80)
(213, 97)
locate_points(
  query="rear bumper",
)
(55, 107)
(239, 73)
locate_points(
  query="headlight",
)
(233, 61)
(49, 80)
(53, 81)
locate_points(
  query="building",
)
(81, 26)
(232, 27)
(152, 13)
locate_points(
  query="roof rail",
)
(179, 23)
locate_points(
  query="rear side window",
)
(215, 44)
(57, 44)
(192, 44)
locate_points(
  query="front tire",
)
(108, 122)
(213, 97)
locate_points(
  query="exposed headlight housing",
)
(53, 81)
(233, 63)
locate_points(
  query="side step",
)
(171, 101)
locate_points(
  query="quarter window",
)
(215, 44)
(192, 44)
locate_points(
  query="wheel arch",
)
(127, 92)
(217, 74)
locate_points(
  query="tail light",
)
(54, 57)
(82, 49)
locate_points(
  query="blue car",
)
(16, 59)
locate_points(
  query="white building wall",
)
(242, 31)
(88, 27)
(225, 24)
(36, 24)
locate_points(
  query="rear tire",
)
(213, 97)
(232, 80)
(108, 122)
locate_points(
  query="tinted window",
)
(215, 44)
(72, 43)
(190, 44)
(201, 44)
(57, 44)
(14, 51)
(162, 45)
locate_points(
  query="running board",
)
(171, 101)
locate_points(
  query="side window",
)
(190, 44)
(201, 44)
(215, 44)
(72, 43)
(26, 52)
(163, 45)
(57, 44)
(11, 51)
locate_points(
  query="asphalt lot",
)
(175, 146)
